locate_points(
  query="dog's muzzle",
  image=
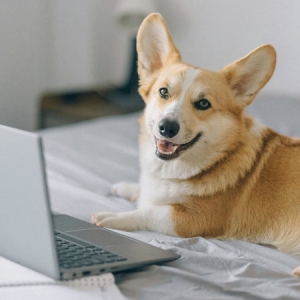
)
(167, 150)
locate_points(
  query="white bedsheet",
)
(83, 161)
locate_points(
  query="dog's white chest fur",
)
(158, 191)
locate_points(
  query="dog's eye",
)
(202, 104)
(164, 93)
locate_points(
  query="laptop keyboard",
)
(71, 255)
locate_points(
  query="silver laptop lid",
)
(26, 231)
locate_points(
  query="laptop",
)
(59, 246)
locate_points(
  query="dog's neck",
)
(218, 171)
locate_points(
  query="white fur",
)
(257, 66)
(251, 74)
(156, 41)
(155, 45)
(164, 175)
(185, 85)
(153, 218)
(192, 160)
(296, 272)
(126, 190)
(175, 108)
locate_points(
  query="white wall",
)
(23, 53)
(51, 46)
(80, 47)
(54, 45)
(214, 33)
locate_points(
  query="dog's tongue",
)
(166, 147)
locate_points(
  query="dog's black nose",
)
(168, 128)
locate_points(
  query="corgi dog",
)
(208, 169)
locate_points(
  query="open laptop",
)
(59, 246)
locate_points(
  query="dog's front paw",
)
(296, 272)
(99, 218)
(126, 190)
(121, 221)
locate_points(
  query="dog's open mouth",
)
(167, 150)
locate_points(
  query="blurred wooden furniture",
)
(71, 107)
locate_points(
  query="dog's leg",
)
(296, 272)
(152, 218)
(127, 190)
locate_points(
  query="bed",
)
(85, 159)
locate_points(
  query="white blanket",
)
(83, 160)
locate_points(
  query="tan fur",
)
(250, 188)
(222, 174)
(258, 205)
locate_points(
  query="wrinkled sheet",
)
(85, 159)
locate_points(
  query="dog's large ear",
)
(155, 46)
(249, 74)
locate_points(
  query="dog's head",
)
(190, 110)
